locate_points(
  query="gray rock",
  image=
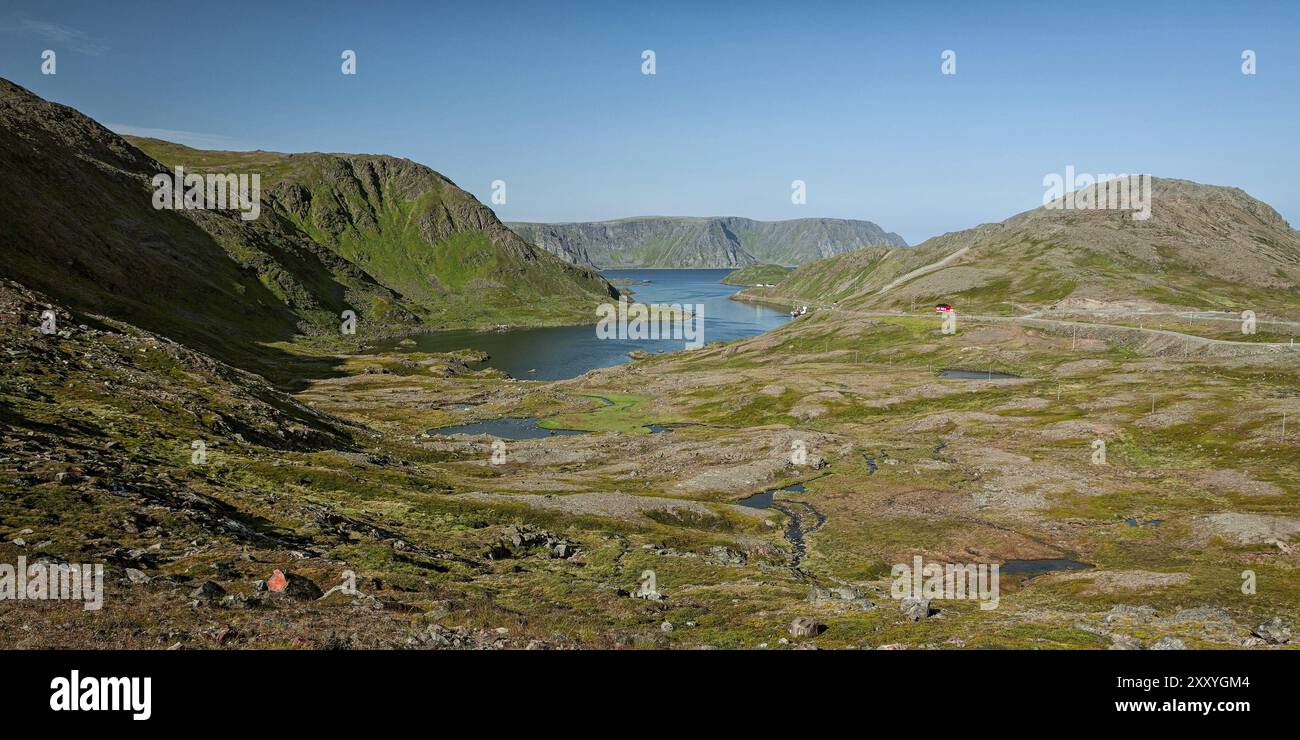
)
(1129, 612)
(1202, 615)
(1124, 642)
(517, 541)
(805, 627)
(208, 591)
(915, 609)
(1168, 643)
(1275, 631)
(726, 555)
(137, 576)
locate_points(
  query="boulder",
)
(726, 555)
(1124, 642)
(208, 591)
(1275, 631)
(293, 586)
(518, 541)
(915, 608)
(805, 627)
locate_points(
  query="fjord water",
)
(560, 352)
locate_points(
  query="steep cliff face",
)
(77, 222)
(703, 242)
(415, 232)
(389, 239)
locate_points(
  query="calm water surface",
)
(555, 353)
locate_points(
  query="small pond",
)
(1038, 567)
(508, 428)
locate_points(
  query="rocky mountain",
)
(703, 242)
(392, 240)
(1204, 247)
(413, 230)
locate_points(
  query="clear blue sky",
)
(748, 96)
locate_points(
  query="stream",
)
(802, 518)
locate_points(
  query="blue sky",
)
(747, 96)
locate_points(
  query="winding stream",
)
(802, 519)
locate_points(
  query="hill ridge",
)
(702, 241)
(1204, 247)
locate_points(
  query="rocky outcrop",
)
(1275, 631)
(519, 541)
